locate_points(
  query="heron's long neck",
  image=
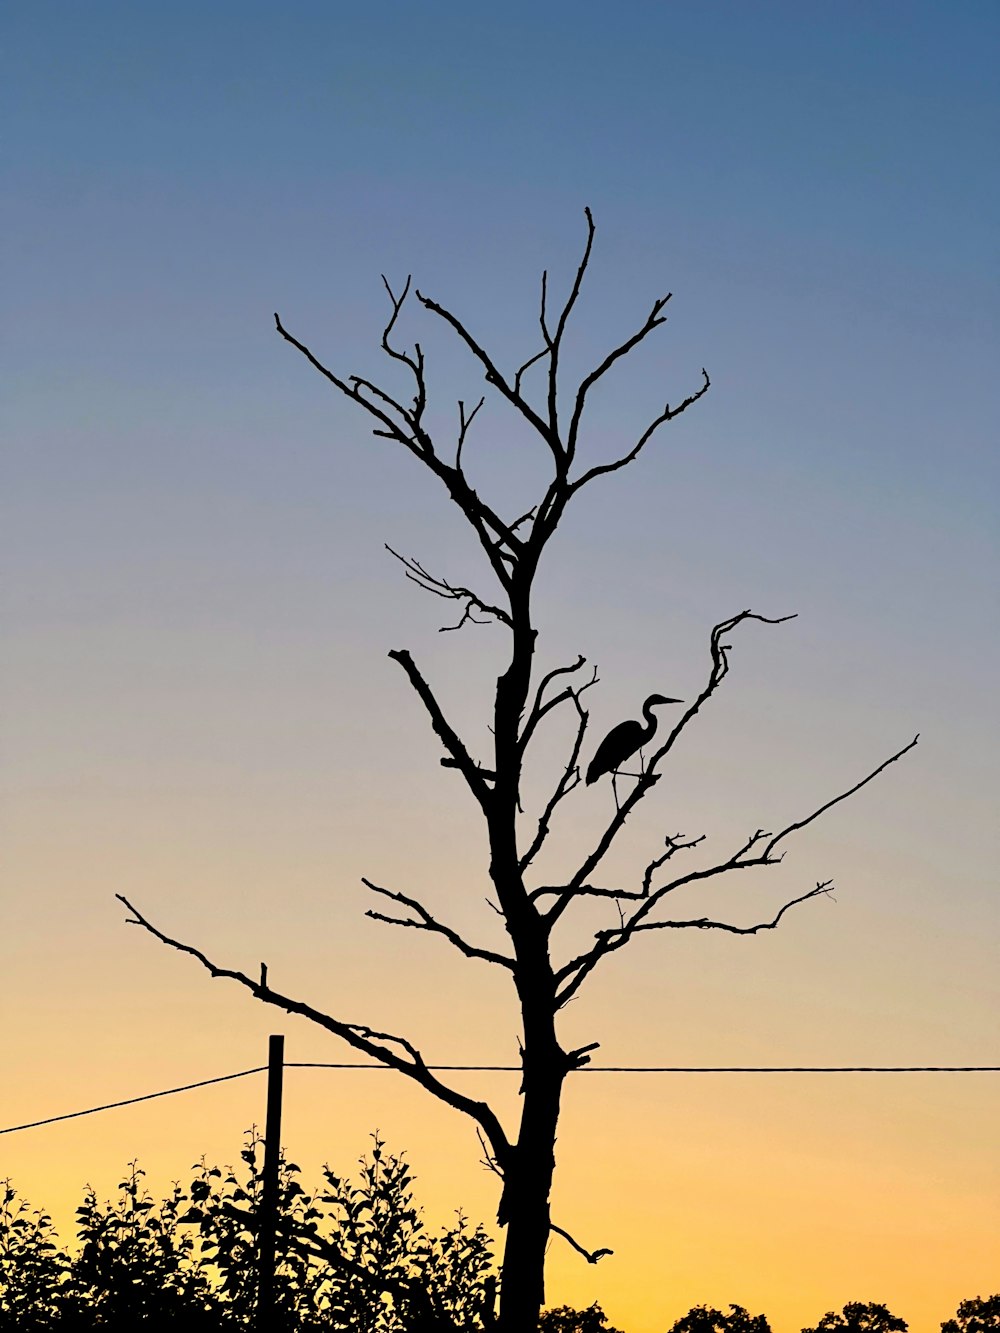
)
(650, 716)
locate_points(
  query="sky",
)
(197, 605)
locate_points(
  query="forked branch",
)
(417, 574)
(404, 425)
(569, 780)
(426, 921)
(668, 414)
(750, 855)
(719, 652)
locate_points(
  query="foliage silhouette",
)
(545, 971)
(706, 1319)
(978, 1315)
(354, 1254)
(567, 1320)
(858, 1317)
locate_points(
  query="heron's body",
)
(622, 742)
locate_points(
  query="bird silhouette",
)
(622, 741)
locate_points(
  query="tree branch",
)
(378, 1045)
(410, 433)
(539, 709)
(470, 771)
(673, 844)
(591, 1256)
(494, 377)
(577, 969)
(704, 923)
(464, 422)
(668, 414)
(569, 780)
(794, 828)
(553, 344)
(428, 922)
(417, 574)
(653, 320)
(417, 365)
(719, 670)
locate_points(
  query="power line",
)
(129, 1101)
(516, 1069)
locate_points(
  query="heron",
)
(622, 741)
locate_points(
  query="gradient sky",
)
(199, 711)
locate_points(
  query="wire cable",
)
(516, 1069)
(129, 1101)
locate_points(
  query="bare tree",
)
(544, 981)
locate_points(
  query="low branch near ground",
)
(396, 1052)
(426, 921)
(572, 974)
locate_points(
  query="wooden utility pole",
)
(268, 1220)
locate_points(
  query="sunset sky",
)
(198, 707)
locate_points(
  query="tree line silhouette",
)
(352, 1254)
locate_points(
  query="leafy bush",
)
(567, 1320)
(978, 1315)
(857, 1317)
(706, 1319)
(354, 1255)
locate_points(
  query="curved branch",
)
(553, 344)
(539, 709)
(719, 670)
(428, 922)
(668, 414)
(653, 320)
(704, 923)
(378, 1045)
(609, 941)
(417, 574)
(606, 941)
(569, 780)
(591, 1256)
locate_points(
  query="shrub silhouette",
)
(706, 1319)
(567, 1320)
(857, 1317)
(354, 1255)
(978, 1315)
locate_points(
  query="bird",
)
(622, 741)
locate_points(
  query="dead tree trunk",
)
(544, 979)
